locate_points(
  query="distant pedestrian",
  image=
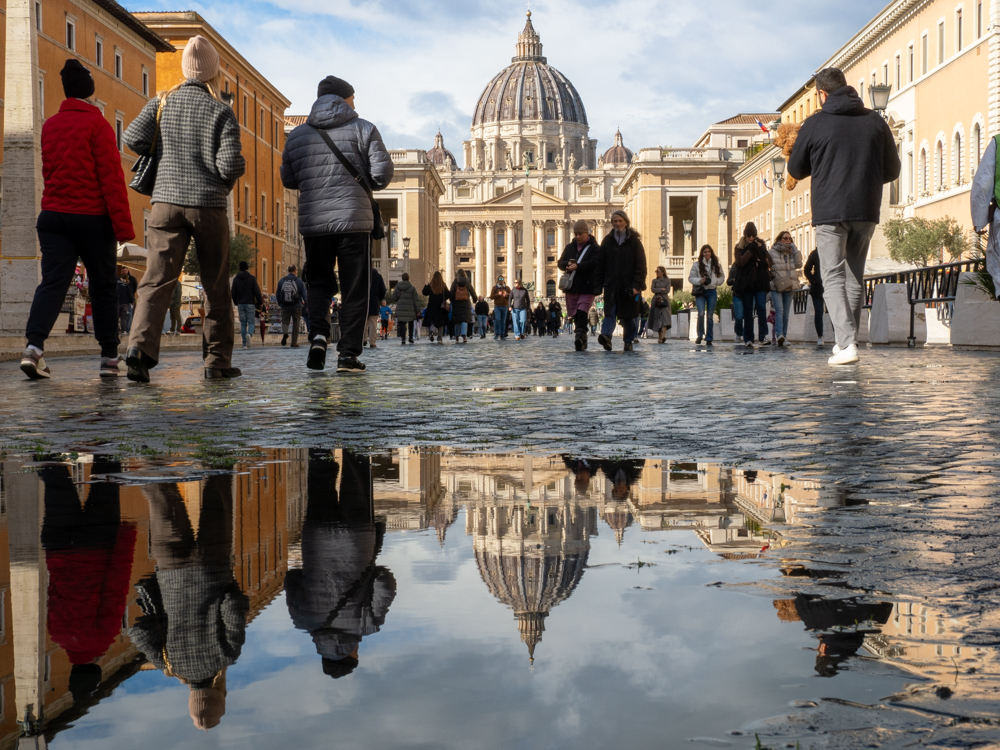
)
(407, 301)
(540, 319)
(593, 320)
(706, 276)
(247, 298)
(815, 279)
(291, 296)
(501, 307)
(85, 213)
(660, 319)
(126, 298)
(580, 258)
(850, 153)
(376, 293)
(785, 262)
(197, 142)
(336, 215)
(463, 297)
(520, 308)
(384, 316)
(555, 318)
(622, 275)
(175, 309)
(438, 305)
(482, 316)
(753, 281)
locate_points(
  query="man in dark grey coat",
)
(335, 215)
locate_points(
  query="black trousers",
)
(67, 524)
(351, 255)
(402, 329)
(64, 238)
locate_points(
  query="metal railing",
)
(932, 285)
(800, 301)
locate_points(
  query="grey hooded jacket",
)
(982, 194)
(330, 201)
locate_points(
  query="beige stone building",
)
(942, 62)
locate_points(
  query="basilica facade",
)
(529, 126)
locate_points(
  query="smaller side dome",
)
(617, 154)
(439, 155)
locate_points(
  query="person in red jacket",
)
(85, 214)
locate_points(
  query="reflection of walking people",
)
(85, 213)
(339, 595)
(194, 615)
(197, 140)
(622, 274)
(88, 555)
(850, 153)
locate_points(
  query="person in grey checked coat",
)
(335, 215)
(199, 159)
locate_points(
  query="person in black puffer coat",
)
(580, 257)
(753, 282)
(622, 273)
(438, 302)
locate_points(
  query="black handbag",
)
(145, 166)
(378, 231)
(698, 290)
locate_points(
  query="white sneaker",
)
(819, 341)
(781, 340)
(112, 367)
(836, 349)
(846, 356)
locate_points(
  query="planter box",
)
(890, 316)
(724, 326)
(683, 325)
(975, 320)
(802, 328)
(938, 331)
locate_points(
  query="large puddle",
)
(430, 598)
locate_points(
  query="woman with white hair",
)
(622, 274)
(579, 260)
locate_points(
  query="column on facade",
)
(562, 235)
(541, 253)
(491, 261)
(511, 251)
(598, 230)
(477, 279)
(449, 251)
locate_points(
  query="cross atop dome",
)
(529, 44)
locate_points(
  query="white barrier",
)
(890, 316)
(975, 320)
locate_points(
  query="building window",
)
(925, 183)
(586, 191)
(119, 132)
(118, 65)
(501, 238)
(262, 129)
(956, 158)
(464, 192)
(263, 276)
(925, 54)
(246, 203)
(977, 142)
(464, 235)
(909, 175)
(497, 192)
(899, 77)
(38, 15)
(262, 219)
(41, 96)
(885, 74)
(979, 19)
(550, 157)
(939, 166)
(99, 52)
(71, 35)
(244, 110)
(909, 52)
(742, 142)
(145, 82)
(550, 189)
(940, 43)
(550, 237)
(861, 89)
(958, 30)
(277, 218)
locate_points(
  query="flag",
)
(765, 183)
(762, 126)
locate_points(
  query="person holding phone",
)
(622, 274)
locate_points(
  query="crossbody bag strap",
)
(343, 160)
(156, 129)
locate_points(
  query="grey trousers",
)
(292, 316)
(842, 252)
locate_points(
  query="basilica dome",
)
(618, 154)
(439, 154)
(529, 89)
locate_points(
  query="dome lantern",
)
(529, 45)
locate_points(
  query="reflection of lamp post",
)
(688, 236)
(406, 253)
(724, 227)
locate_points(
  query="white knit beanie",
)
(200, 60)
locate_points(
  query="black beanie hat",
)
(84, 679)
(76, 80)
(336, 86)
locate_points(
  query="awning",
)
(129, 253)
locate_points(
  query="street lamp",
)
(880, 97)
(723, 204)
(778, 167)
(688, 226)
(406, 247)
(663, 242)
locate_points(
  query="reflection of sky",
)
(616, 666)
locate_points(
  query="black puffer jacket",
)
(849, 152)
(621, 269)
(437, 315)
(752, 264)
(585, 281)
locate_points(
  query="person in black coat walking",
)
(753, 283)
(850, 153)
(438, 304)
(622, 273)
(580, 258)
(815, 279)
(247, 298)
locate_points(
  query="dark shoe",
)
(402, 342)
(697, 340)
(33, 365)
(411, 341)
(317, 354)
(765, 342)
(284, 339)
(222, 373)
(111, 367)
(138, 365)
(350, 364)
(628, 347)
(605, 342)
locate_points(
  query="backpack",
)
(289, 292)
(461, 293)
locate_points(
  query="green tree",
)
(241, 248)
(922, 241)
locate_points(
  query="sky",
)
(661, 70)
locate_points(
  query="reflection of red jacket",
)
(82, 167)
(88, 592)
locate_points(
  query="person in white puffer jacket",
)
(706, 274)
(786, 260)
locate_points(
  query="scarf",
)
(620, 237)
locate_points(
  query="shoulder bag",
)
(378, 231)
(566, 280)
(145, 166)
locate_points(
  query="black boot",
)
(139, 364)
(580, 324)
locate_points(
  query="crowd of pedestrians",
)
(335, 160)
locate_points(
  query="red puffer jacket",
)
(83, 168)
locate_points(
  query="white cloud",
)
(661, 70)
